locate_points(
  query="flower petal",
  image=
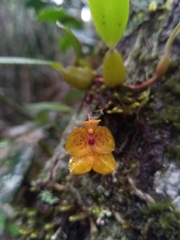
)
(77, 142)
(104, 141)
(103, 163)
(81, 164)
(91, 124)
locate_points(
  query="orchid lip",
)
(91, 141)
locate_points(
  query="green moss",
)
(167, 103)
(113, 231)
(161, 207)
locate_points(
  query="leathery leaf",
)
(113, 68)
(110, 19)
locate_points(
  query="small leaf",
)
(110, 18)
(48, 106)
(30, 61)
(72, 38)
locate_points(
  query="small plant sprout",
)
(91, 147)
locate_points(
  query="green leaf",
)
(58, 14)
(72, 38)
(30, 61)
(36, 4)
(48, 106)
(64, 44)
(110, 19)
